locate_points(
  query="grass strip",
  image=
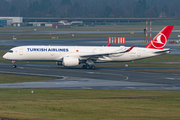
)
(8, 78)
(57, 104)
(76, 36)
(2, 52)
(73, 28)
(161, 58)
(141, 65)
(68, 36)
(127, 27)
(159, 70)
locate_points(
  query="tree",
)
(34, 7)
(107, 11)
(76, 10)
(45, 4)
(117, 11)
(66, 2)
(51, 11)
(165, 10)
(65, 9)
(139, 9)
(152, 12)
(90, 8)
(13, 10)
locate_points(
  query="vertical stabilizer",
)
(161, 38)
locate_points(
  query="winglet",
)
(108, 45)
(130, 48)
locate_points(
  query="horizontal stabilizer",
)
(163, 51)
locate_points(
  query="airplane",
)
(69, 56)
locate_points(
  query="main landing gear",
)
(88, 67)
(14, 66)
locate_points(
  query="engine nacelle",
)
(70, 61)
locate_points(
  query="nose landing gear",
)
(14, 66)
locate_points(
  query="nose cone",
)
(5, 56)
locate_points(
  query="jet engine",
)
(70, 61)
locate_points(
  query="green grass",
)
(160, 70)
(141, 65)
(166, 22)
(9, 78)
(54, 104)
(121, 27)
(161, 58)
(69, 36)
(76, 36)
(171, 60)
(1, 46)
(2, 52)
(100, 28)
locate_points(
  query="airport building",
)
(5, 22)
(49, 22)
(11, 21)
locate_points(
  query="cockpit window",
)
(10, 51)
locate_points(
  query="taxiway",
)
(100, 78)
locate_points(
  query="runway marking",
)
(143, 73)
(171, 78)
(91, 72)
(21, 67)
(38, 68)
(126, 77)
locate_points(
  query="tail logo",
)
(159, 41)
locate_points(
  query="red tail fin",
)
(161, 38)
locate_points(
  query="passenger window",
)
(10, 51)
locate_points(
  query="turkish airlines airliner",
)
(88, 55)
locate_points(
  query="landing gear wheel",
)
(88, 67)
(14, 66)
(84, 66)
(92, 67)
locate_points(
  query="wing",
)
(98, 55)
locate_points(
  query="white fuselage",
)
(56, 53)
